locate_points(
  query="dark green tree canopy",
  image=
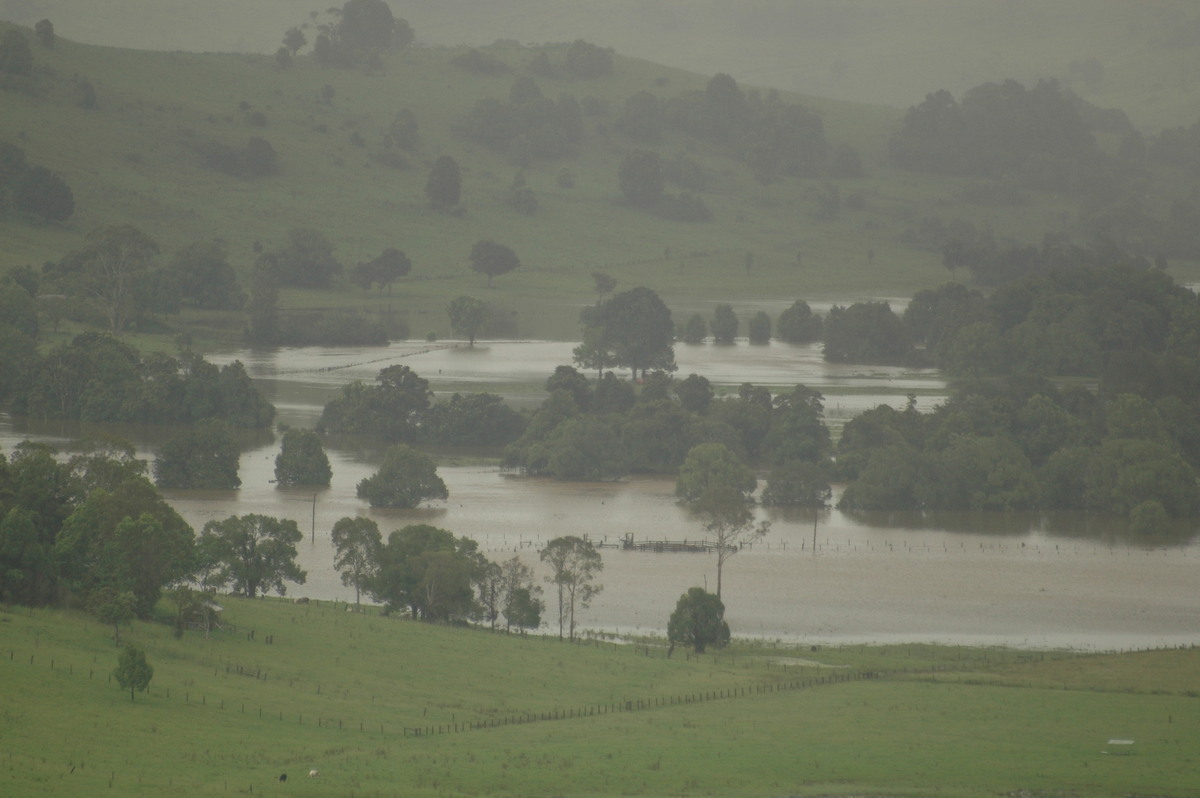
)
(467, 316)
(45, 194)
(724, 324)
(206, 278)
(16, 56)
(798, 324)
(443, 188)
(636, 327)
(389, 411)
(492, 259)
(698, 621)
(132, 671)
(302, 460)
(252, 553)
(430, 572)
(406, 478)
(205, 456)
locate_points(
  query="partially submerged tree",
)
(574, 564)
(406, 478)
(205, 456)
(467, 315)
(718, 488)
(302, 460)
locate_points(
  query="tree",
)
(519, 596)
(605, 284)
(367, 24)
(302, 460)
(389, 266)
(444, 185)
(696, 330)
(492, 259)
(429, 571)
(574, 564)
(112, 266)
(642, 177)
(253, 553)
(467, 315)
(294, 39)
(698, 621)
(356, 542)
(44, 30)
(123, 539)
(724, 324)
(389, 411)
(306, 260)
(695, 393)
(406, 478)
(716, 486)
(798, 483)
(797, 324)
(760, 328)
(132, 671)
(263, 308)
(206, 279)
(635, 327)
(16, 57)
(44, 193)
(112, 606)
(205, 456)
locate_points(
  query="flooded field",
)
(1065, 580)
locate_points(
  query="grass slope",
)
(133, 161)
(229, 714)
(872, 51)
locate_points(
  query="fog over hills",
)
(1140, 57)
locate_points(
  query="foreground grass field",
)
(383, 706)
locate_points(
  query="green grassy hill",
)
(134, 160)
(873, 51)
(286, 688)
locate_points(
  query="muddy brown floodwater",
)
(1031, 580)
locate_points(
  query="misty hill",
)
(766, 197)
(1140, 57)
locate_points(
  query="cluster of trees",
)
(29, 188)
(528, 127)
(118, 280)
(400, 409)
(796, 325)
(606, 428)
(96, 377)
(357, 33)
(642, 177)
(1024, 444)
(1000, 130)
(434, 575)
(1077, 312)
(773, 138)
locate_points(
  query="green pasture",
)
(298, 687)
(133, 160)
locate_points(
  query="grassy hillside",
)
(873, 51)
(134, 160)
(300, 687)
